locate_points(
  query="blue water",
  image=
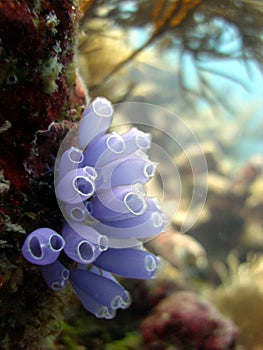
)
(242, 91)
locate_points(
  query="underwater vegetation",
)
(195, 29)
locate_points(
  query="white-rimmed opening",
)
(75, 155)
(115, 143)
(126, 300)
(110, 314)
(35, 248)
(57, 285)
(157, 219)
(150, 263)
(101, 312)
(149, 169)
(85, 251)
(90, 171)
(143, 141)
(135, 203)
(102, 107)
(56, 242)
(103, 243)
(78, 214)
(116, 302)
(83, 186)
(65, 274)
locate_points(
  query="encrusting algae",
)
(37, 45)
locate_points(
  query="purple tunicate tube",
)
(79, 249)
(149, 204)
(152, 205)
(123, 242)
(126, 300)
(112, 147)
(135, 169)
(97, 309)
(70, 160)
(106, 148)
(75, 187)
(129, 262)
(87, 233)
(55, 275)
(95, 121)
(117, 201)
(42, 246)
(103, 290)
(147, 225)
(137, 140)
(90, 171)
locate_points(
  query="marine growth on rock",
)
(99, 185)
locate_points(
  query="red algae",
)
(39, 95)
(37, 84)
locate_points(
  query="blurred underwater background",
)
(202, 61)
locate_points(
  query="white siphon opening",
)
(143, 141)
(149, 170)
(103, 243)
(77, 214)
(110, 314)
(83, 186)
(75, 155)
(90, 171)
(102, 107)
(126, 300)
(56, 242)
(57, 285)
(150, 263)
(65, 274)
(100, 313)
(116, 302)
(85, 251)
(135, 203)
(35, 248)
(115, 143)
(157, 219)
